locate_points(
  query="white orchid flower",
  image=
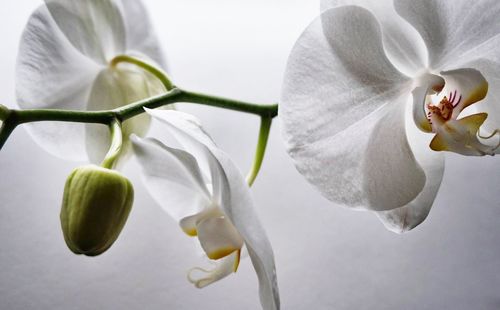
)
(65, 62)
(203, 190)
(356, 76)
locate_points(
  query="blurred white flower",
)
(202, 189)
(64, 63)
(346, 102)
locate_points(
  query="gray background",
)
(327, 257)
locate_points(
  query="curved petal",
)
(347, 82)
(50, 73)
(115, 87)
(172, 177)
(188, 131)
(461, 136)
(403, 44)
(239, 207)
(218, 237)
(406, 218)
(491, 103)
(464, 87)
(141, 36)
(454, 30)
(336, 127)
(428, 84)
(223, 267)
(94, 27)
(188, 224)
(419, 95)
(236, 201)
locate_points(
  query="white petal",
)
(218, 237)
(187, 130)
(419, 95)
(454, 30)
(469, 85)
(336, 129)
(188, 224)
(345, 83)
(172, 177)
(403, 44)
(94, 27)
(403, 219)
(428, 84)
(491, 104)
(141, 36)
(236, 201)
(114, 88)
(460, 136)
(239, 207)
(50, 73)
(223, 268)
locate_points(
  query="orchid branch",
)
(17, 117)
(114, 118)
(265, 128)
(116, 145)
(159, 74)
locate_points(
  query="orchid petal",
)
(187, 130)
(115, 87)
(403, 44)
(464, 87)
(406, 218)
(141, 37)
(491, 103)
(348, 81)
(419, 95)
(218, 237)
(455, 31)
(427, 85)
(235, 201)
(460, 136)
(223, 267)
(188, 224)
(51, 74)
(345, 76)
(172, 177)
(239, 207)
(94, 27)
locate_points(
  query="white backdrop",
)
(327, 257)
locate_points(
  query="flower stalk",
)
(116, 145)
(265, 128)
(4, 112)
(145, 66)
(17, 117)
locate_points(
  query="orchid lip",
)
(442, 99)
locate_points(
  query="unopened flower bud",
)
(96, 205)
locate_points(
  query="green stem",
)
(116, 145)
(4, 112)
(265, 127)
(17, 117)
(5, 130)
(162, 76)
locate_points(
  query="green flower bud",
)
(96, 205)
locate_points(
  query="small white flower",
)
(346, 105)
(203, 190)
(64, 63)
